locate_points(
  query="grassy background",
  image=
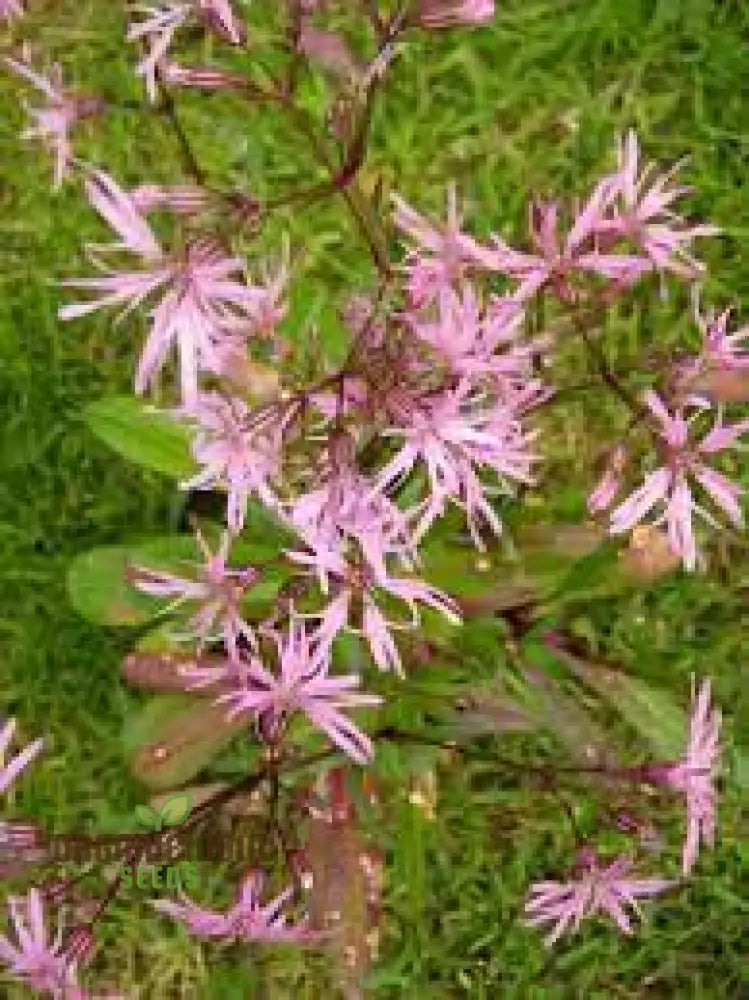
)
(529, 104)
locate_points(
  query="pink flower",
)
(247, 920)
(185, 200)
(356, 584)
(453, 434)
(202, 304)
(43, 965)
(301, 684)
(609, 484)
(474, 342)
(161, 23)
(10, 9)
(237, 454)
(668, 484)
(217, 590)
(557, 259)
(53, 122)
(596, 890)
(452, 13)
(443, 254)
(720, 348)
(10, 771)
(695, 774)
(347, 508)
(644, 214)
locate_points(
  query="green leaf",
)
(176, 809)
(175, 737)
(142, 434)
(97, 582)
(147, 817)
(650, 711)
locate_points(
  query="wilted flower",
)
(161, 23)
(597, 889)
(452, 13)
(53, 122)
(10, 771)
(609, 484)
(694, 775)
(444, 254)
(202, 304)
(236, 454)
(43, 965)
(644, 213)
(185, 200)
(668, 484)
(247, 920)
(10, 9)
(216, 589)
(302, 683)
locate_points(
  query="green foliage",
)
(98, 584)
(142, 434)
(527, 105)
(174, 737)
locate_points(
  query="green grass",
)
(530, 104)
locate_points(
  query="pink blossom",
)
(174, 74)
(357, 584)
(185, 200)
(609, 484)
(202, 303)
(158, 29)
(694, 775)
(53, 122)
(473, 341)
(248, 920)
(452, 13)
(162, 21)
(216, 589)
(43, 965)
(10, 771)
(720, 348)
(239, 455)
(348, 508)
(557, 258)
(10, 9)
(453, 434)
(644, 214)
(443, 254)
(302, 683)
(668, 484)
(597, 889)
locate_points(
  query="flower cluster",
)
(434, 417)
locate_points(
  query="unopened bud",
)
(79, 945)
(201, 78)
(186, 200)
(434, 14)
(16, 838)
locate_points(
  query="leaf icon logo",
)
(175, 810)
(147, 817)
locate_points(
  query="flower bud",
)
(79, 945)
(434, 14)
